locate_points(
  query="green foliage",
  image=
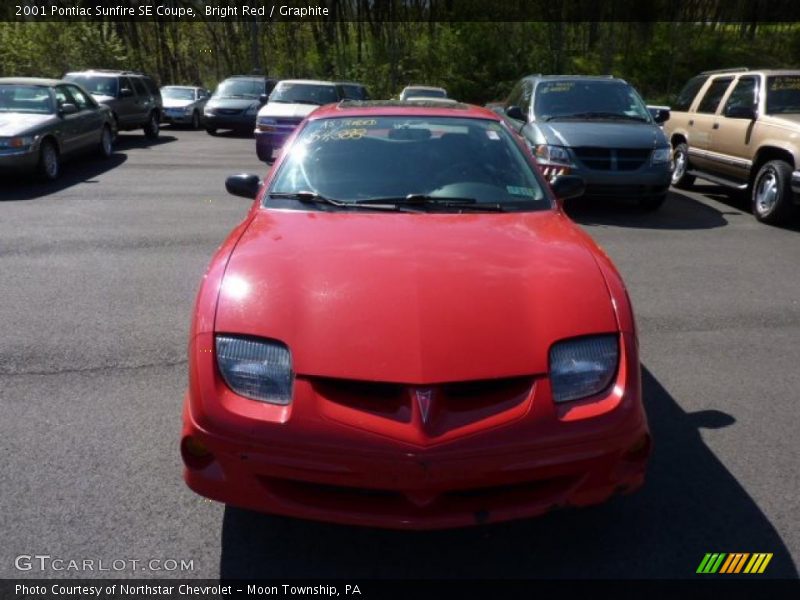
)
(476, 61)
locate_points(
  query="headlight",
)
(552, 155)
(257, 369)
(661, 155)
(583, 367)
(266, 124)
(17, 142)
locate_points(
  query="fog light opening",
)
(640, 450)
(195, 453)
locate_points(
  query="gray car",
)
(134, 98)
(43, 121)
(183, 104)
(236, 102)
(597, 128)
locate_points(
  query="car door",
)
(732, 132)
(144, 100)
(69, 134)
(126, 108)
(701, 123)
(90, 121)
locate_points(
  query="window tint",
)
(714, 94)
(689, 91)
(140, 89)
(783, 94)
(744, 94)
(151, 86)
(63, 96)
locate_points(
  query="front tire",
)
(49, 167)
(680, 165)
(152, 128)
(106, 148)
(772, 193)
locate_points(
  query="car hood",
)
(15, 123)
(414, 298)
(602, 133)
(237, 103)
(177, 103)
(282, 109)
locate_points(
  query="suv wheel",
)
(49, 162)
(680, 164)
(106, 142)
(772, 192)
(151, 129)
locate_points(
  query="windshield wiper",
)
(314, 198)
(425, 201)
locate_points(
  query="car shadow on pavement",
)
(739, 200)
(138, 141)
(81, 170)
(690, 505)
(679, 211)
(233, 133)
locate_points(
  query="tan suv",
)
(741, 129)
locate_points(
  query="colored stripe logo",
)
(735, 562)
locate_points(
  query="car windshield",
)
(304, 93)
(33, 99)
(177, 93)
(240, 88)
(423, 93)
(99, 85)
(367, 159)
(589, 100)
(783, 94)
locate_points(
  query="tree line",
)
(387, 44)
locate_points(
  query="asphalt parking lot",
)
(99, 272)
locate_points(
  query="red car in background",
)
(406, 331)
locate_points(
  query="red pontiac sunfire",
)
(407, 331)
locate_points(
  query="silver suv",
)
(134, 98)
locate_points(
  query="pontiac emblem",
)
(424, 397)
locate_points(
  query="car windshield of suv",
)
(177, 93)
(590, 100)
(32, 99)
(304, 93)
(240, 88)
(435, 163)
(98, 85)
(783, 94)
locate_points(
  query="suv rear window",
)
(714, 94)
(687, 94)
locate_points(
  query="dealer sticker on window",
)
(520, 191)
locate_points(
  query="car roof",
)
(253, 77)
(108, 72)
(308, 81)
(386, 108)
(30, 81)
(183, 87)
(539, 77)
(423, 87)
(767, 72)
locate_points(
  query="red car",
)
(406, 331)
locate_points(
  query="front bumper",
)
(306, 461)
(266, 141)
(178, 117)
(19, 159)
(237, 121)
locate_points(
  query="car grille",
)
(228, 111)
(612, 159)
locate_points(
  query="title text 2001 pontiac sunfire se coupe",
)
(406, 331)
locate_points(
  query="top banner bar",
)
(401, 10)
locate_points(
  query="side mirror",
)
(515, 112)
(67, 109)
(125, 93)
(660, 114)
(741, 112)
(244, 185)
(568, 186)
(263, 98)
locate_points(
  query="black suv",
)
(134, 98)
